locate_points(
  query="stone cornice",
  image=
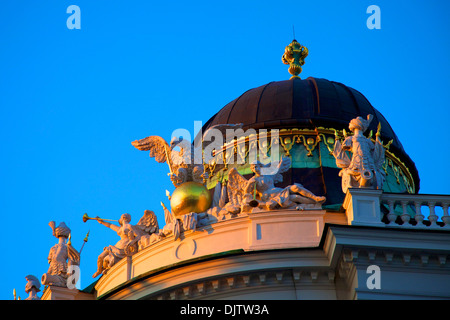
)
(246, 271)
(366, 236)
(413, 248)
(281, 229)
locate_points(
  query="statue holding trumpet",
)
(129, 237)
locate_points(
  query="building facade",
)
(340, 219)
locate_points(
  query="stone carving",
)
(260, 193)
(32, 287)
(364, 169)
(180, 170)
(61, 257)
(182, 164)
(129, 239)
(174, 225)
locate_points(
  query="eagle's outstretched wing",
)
(236, 187)
(158, 147)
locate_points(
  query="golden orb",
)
(190, 197)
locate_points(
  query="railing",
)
(411, 214)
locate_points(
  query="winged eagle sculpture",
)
(181, 163)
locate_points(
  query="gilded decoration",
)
(294, 55)
(309, 139)
(245, 178)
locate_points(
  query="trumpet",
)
(86, 218)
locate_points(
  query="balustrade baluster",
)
(391, 215)
(432, 217)
(421, 219)
(405, 216)
(419, 216)
(446, 217)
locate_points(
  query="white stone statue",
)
(32, 287)
(365, 168)
(260, 191)
(129, 237)
(174, 226)
(61, 256)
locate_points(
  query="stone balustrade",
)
(418, 210)
(368, 207)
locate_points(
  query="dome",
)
(314, 108)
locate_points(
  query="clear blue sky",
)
(71, 101)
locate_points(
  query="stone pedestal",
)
(363, 207)
(278, 229)
(61, 293)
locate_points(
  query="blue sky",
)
(71, 101)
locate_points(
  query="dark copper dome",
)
(309, 104)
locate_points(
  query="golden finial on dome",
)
(294, 55)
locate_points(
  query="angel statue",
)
(260, 191)
(129, 237)
(182, 164)
(364, 170)
(61, 257)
